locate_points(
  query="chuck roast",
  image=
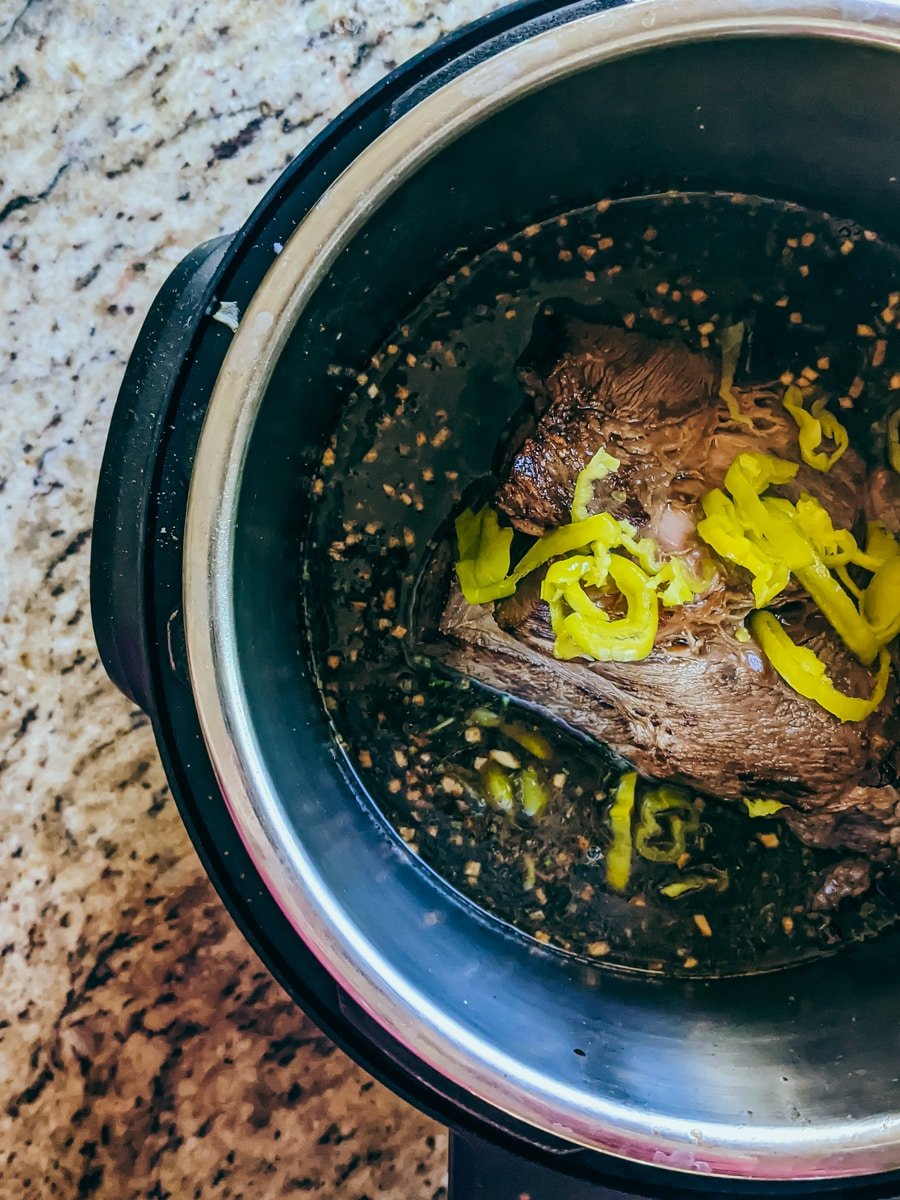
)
(703, 709)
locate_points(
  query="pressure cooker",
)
(558, 1077)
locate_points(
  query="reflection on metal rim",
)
(442, 1039)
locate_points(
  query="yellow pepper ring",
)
(881, 601)
(847, 580)
(618, 856)
(601, 528)
(723, 532)
(880, 542)
(805, 672)
(683, 819)
(484, 554)
(783, 538)
(598, 468)
(813, 427)
(840, 611)
(836, 546)
(746, 479)
(832, 428)
(484, 551)
(588, 631)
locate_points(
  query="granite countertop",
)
(144, 1050)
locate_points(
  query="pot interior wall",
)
(806, 121)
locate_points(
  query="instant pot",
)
(559, 1078)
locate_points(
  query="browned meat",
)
(709, 713)
(653, 405)
(883, 498)
(599, 391)
(846, 879)
(864, 818)
(702, 709)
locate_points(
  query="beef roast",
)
(702, 709)
(653, 405)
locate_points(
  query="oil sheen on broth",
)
(420, 426)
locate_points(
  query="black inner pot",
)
(786, 1059)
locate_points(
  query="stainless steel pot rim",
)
(442, 1040)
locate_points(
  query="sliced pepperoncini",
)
(618, 856)
(730, 341)
(497, 786)
(627, 638)
(650, 840)
(813, 427)
(582, 628)
(532, 790)
(722, 530)
(761, 807)
(835, 546)
(598, 468)
(767, 536)
(484, 552)
(711, 877)
(839, 610)
(682, 585)
(881, 601)
(805, 672)
(880, 543)
(746, 479)
(529, 739)
(586, 630)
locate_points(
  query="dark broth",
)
(422, 422)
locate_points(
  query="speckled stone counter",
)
(144, 1050)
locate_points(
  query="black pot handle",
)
(480, 1170)
(125, 493)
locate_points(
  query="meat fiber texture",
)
(703, 709)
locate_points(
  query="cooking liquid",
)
(422, 425)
